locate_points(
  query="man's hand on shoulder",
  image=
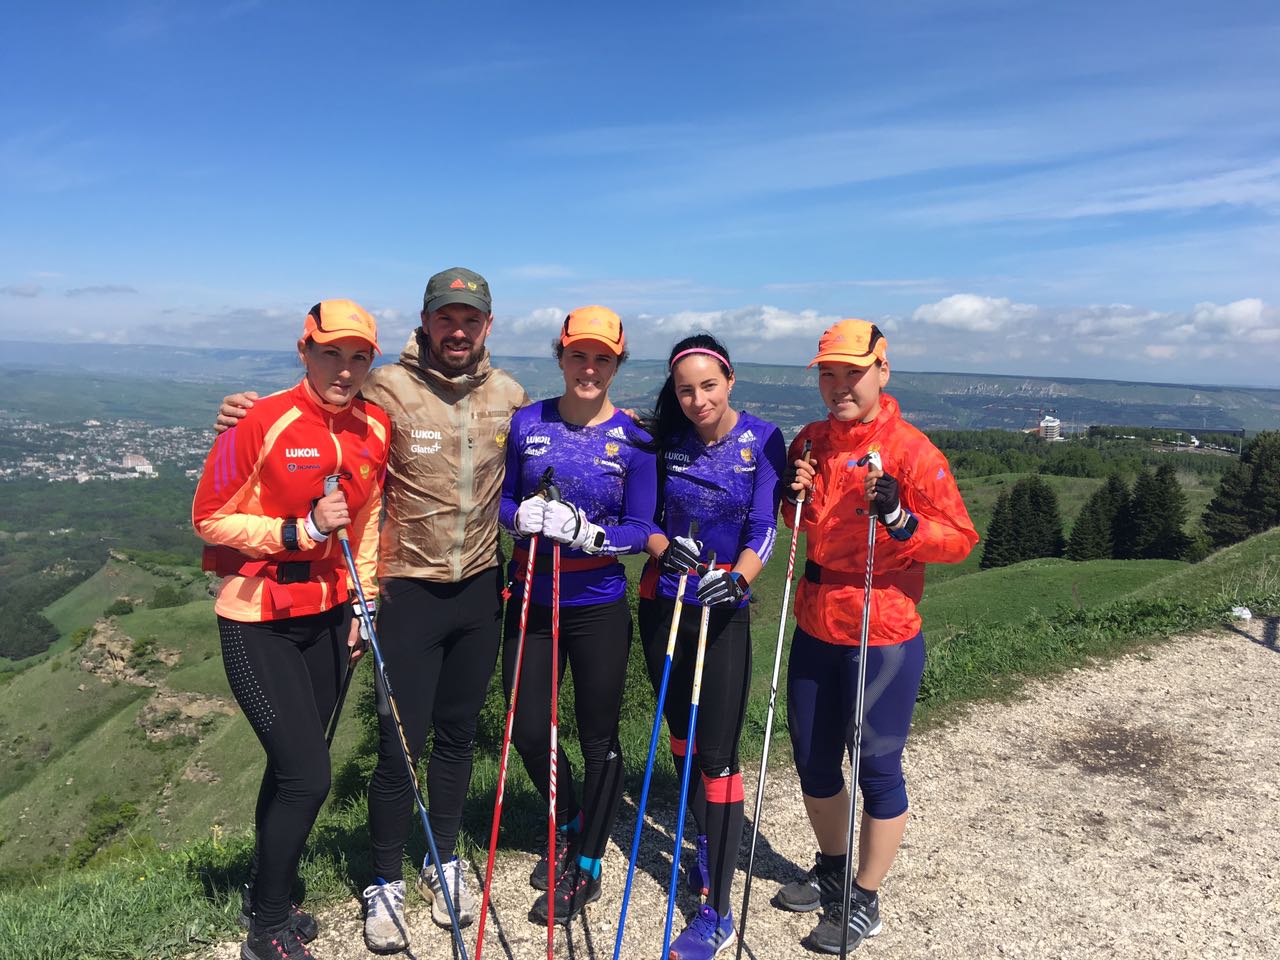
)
(233, 410)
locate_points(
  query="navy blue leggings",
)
(822, 683)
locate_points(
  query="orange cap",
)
(594, 323)
(331, 320)
(858, 342)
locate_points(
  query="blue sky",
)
(1072, 189)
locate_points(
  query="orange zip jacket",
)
(271, 466)
(835, 521)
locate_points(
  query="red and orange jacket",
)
(835, 520)
(271, 466)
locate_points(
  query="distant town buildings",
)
(1051, 428)
(99, 450)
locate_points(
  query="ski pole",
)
(553, 494)
(688, 761)
(380, 674)
(331, 484)
(773, 697)
(653, 749)
(511, 716)
(855, 747)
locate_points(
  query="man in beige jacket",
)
(440, 617)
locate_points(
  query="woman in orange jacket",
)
(286, 625)
(921, 519)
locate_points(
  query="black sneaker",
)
(574, 891)
(304, 923)
(823, 882)
(864, 921)
(566, 848)
(280, 944)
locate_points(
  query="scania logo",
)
(301, 452)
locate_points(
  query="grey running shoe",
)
(464, 901)
(864, 921)
(384, 926)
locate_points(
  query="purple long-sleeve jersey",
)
(606, 470)
(731, 488)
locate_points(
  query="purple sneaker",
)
(698, 879)
(706, 936)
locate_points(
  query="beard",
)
(453, 364)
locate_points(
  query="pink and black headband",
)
(707, 350)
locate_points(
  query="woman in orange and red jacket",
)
(921, 519)
(284, 618)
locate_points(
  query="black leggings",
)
(595, 641)
(715, 796)
(440, 644)
(284, 675)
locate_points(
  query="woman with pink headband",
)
(721, 467)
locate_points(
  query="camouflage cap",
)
(457, 285)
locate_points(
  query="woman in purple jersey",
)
(604, 469)
(720, 467)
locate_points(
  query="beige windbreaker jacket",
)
(444, 472)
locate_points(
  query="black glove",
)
(721, 586)
(682, 555)
(885, 502)
(788, 479)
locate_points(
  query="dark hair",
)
(558, 348)
(668, 422)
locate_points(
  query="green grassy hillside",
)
(134, 900)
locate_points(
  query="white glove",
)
(529, 516)
(560, 521)
(590, 538)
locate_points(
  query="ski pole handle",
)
(331, 484)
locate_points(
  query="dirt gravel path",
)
(1130, 810)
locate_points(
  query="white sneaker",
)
(464, 901)
(384, 926)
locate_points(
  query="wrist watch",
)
(289, 533)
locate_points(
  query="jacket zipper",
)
(466, 484)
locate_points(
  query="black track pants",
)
(594, 641)
(440, 644)
(285, 675)
(715, 783)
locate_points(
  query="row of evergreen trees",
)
(1145, 522)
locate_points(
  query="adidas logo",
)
(747, 437)
(616, 433)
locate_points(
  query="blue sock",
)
(574, 825)
(590, 865)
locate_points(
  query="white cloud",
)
(27, 290)
(1249, 320)
(969, 311)
(106, 289)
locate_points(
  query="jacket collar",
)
(856, 433)
(320, 402)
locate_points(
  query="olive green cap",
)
(457, 285)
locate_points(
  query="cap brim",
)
(459, 296)
(580, 337)
(861, 360)
(329, 336)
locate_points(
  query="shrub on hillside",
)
(119, 608)
(167, 595)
